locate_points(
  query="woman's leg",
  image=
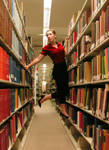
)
(63, 109)
(62, 105)
(46, 97)
(61, 100)
(61, 95)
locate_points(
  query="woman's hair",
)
(52, 30)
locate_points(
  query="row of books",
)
(10, 131)
(13, 99)
(17, 73)
(81, 24)
(86, 125)
(4, 138)
(72, 22)
(81, 73)
(83, 21)
(16, 46)
(83, 47)
(5, 25)
(16, 18)
(100, 28)
(94, 99)
(18, 23)
(72, 75)
(10, 70)
(8, 3)
(85, 16)
(7, 31)
(99, 31)
(18, 97)
(95, 5)
(73, 59)
(16, 123)
(101, 138)
(95, 69)
(73, 39)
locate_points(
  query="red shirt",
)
(56, 54)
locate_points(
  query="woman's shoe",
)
(39, 101)
(64, 115)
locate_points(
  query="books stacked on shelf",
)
(70, 27)
(88, 66)
(4, 65)
(13, 99)
(4, 137)
(93, 99)
(4, 99)
(16, 92)
(5, 23)
(17, 122)
(95, 134)
(72, 22)
(16, 17)
(10, 131)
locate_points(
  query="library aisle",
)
(46, 131)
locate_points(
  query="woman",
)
(57, 53)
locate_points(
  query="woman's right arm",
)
(35, 61)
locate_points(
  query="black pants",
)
(60, 75)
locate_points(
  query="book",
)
(12, 104)
(99, 101)
(94, 100)
(105, 100)
(87, 71)
(13, 129)
(107, 141)
(4, 140)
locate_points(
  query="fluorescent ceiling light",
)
(47, 4)
(44, 65)
(46, 19)
(46, 24)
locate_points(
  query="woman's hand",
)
(26, 67)
(67, 38)
(66, 45)
(66, 41)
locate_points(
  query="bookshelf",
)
(88, 62)
(16, 83)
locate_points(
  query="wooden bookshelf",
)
(16, 111)
(88, 139)
(86, 4)
(87, 28)
(88, 112)
(100, 82)
(16, 91)
(6, 46)
(69, 122)
(89, 48)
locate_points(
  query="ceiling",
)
(61, 14)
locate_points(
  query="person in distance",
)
(57, 53)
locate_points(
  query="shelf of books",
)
(16, 92)
(88, 69)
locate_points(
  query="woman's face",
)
(51, 36)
